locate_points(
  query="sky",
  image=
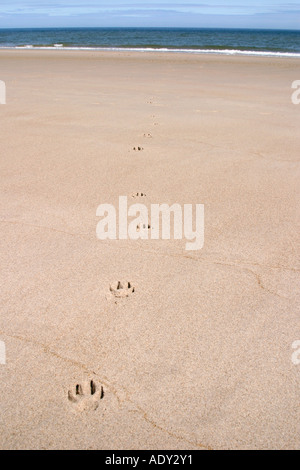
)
(270, 14)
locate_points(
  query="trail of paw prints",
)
(86, 396)
(122, 289)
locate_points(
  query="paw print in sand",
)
(138, 195)
(143, 228)
(121, 289)
(86, 396)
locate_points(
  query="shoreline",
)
(149, 50)
(161, 57)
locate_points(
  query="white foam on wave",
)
(28, 46)
(163, 49)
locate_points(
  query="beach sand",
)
(199, 356)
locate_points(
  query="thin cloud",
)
(76, 6)
(17, 13)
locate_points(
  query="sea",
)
(279, 43)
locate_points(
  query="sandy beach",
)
(199, 354)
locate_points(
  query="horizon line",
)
(151, 27)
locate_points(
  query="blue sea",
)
(193, 41)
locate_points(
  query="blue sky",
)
(283, 14)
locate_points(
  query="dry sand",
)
(199, 356)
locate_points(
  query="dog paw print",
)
(143, 227)
(148, 136)
(139, 195)
(138, 149)
(86, 396)
(121, 289)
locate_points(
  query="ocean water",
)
(210, 41)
